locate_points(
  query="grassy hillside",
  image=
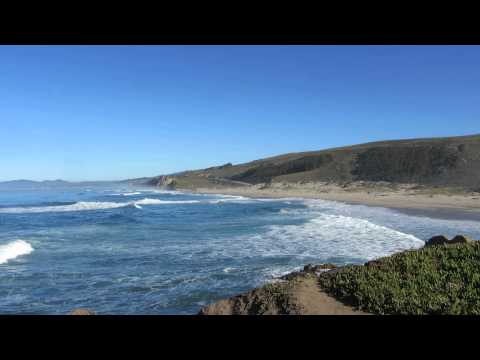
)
(451, 161)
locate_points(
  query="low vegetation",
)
(442, 279)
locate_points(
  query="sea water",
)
(127, 250)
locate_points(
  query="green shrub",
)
(441, 279)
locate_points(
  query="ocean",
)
(118, 249)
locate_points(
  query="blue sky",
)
(116, 112)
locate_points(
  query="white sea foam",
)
(287, 200)
(79, 206)
(347, 236)
(230, 198)
(128, 194)
(322, 237)
(148, 201)
(86, 205)
(276, 272)
(171, 192)
(14, 249)
(243, 199)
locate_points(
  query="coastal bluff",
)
(451, 162)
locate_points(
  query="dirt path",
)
(300, 296)
(312, 301)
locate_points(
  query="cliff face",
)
(451, 161)
(163, 181)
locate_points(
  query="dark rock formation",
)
(308, 269)
(442, 240)
(163, 181)
(437, 240)
(460, 239)
(272, 299)
(297, 293)
(315, 268)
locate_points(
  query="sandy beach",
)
(406, 198)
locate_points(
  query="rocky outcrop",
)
(461, 239)
(297, 293)
(437, 240)
(272, 299)
(309, 269)
(318, 268)
(443, 240)
(168, 182)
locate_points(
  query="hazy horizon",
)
(109, 113)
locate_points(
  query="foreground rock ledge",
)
(299, 295)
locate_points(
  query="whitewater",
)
(13, 250)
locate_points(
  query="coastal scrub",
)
(443, 279)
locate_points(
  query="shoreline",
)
(441, 206)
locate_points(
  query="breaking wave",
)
(91, 205)
(14, 249)
(78, 206)
(128, 194)
(322, 237)
(230, 198)
(148, 201)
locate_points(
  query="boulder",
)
(324, 267)
(315, 268)
(460, 239)
(437, 240)
(82, 312)
(309, 268)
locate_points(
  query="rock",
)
(373, 263)
(164, 181)
(442, 240)
(437, 240)
(299, 297)
(82, 312)
(325, 266)
(460, 239)
(309, 268)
